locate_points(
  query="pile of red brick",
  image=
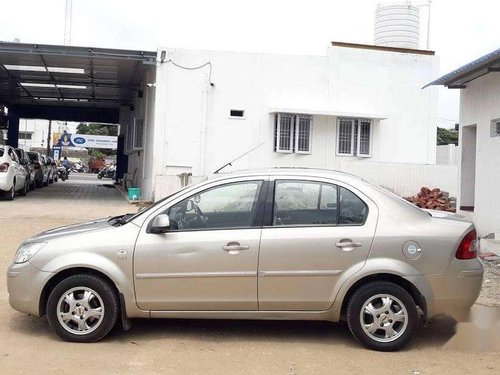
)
(432, 199)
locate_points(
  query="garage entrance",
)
(74, 84)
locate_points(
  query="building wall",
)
(405, 179)
(193, 132)
(479, 104)
(447, 154)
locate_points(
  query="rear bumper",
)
(455, 291)
(5, 181)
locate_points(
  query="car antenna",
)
(239, 157)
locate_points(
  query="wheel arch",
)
(61, 275)
(414, 292)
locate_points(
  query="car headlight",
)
(26, 251)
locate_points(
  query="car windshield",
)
(32, 156)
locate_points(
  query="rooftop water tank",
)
(397, 25)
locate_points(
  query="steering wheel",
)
(199, 214)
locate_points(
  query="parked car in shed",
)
(47, 170)
(52, 169)
(13, 176)
(38, 163)
(272, 244)
(26, 162)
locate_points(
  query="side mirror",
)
(161, 224)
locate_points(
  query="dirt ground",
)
(214, 347)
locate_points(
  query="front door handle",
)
(234, 247)
(347, 244)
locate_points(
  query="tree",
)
(97, 129)
(446, 137)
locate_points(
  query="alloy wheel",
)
(80, 310)
(384, 318)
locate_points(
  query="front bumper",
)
(25, 283)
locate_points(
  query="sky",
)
(460, 31)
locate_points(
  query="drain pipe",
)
(203, 130)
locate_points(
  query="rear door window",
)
(352, 209)
(298, 202)
(304, 203)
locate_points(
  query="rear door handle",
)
(346, 244)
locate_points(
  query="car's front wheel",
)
(382, 316)
(82, 308)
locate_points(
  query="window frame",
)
(294, 133)
(355, 137)
(257, 219)
(270, 199)
(131, 135)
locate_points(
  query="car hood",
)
(67, 230)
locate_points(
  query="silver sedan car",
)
(300, 244)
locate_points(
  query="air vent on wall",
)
(237, 113)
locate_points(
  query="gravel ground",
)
(213, 346)
(490, 293)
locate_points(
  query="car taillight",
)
(4, 167)
(36, 165)
(468, 247)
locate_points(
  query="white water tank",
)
(397, 25)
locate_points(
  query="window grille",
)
(354, 137)
(292, 133)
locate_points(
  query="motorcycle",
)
(62, 173)
(107, 172)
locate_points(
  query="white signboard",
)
(86, 140)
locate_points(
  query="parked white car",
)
(13, 176)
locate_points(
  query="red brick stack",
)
(431, 199)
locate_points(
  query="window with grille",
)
(292, 133)
(354, 137)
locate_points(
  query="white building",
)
(201, 109)
(479, 139)
(33, 133)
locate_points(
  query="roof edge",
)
(383, 48)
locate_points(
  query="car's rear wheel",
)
(10, 194)
(25, 189)
(382, 316)
(82, 308)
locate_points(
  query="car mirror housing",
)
(161, 224)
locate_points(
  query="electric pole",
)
(49, 134)
(67, 22)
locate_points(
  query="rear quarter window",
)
(1, 151)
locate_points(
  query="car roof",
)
(289, 171)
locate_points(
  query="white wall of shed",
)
(479, 104)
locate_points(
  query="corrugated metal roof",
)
(66, 76)
(469, 72)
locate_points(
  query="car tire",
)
(25, 189)
(382, 316)
(39, 183)
(10, 194)
(70, 318)
(32, 185)
(46, 183)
